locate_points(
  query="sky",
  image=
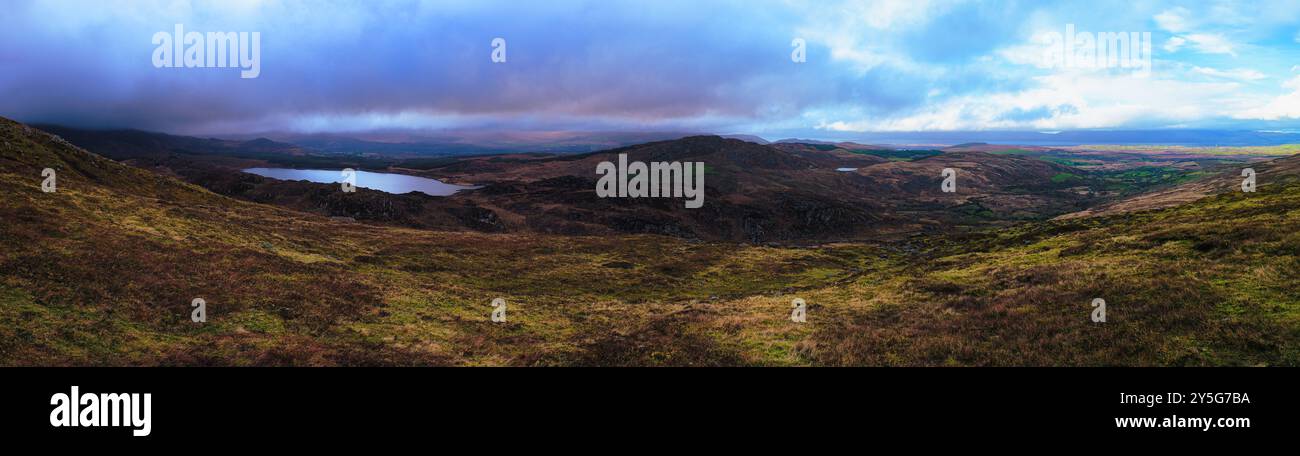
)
(714, 66)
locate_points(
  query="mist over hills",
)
(133, 144)
(416, 144)
(468, 142)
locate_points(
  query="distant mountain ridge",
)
(778, 192)
(754, 193)
(103, 271)
(473, 143)
(1180, 137)
(133, 144)
(789, 190)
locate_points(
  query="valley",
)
(786, 192)
(895, 272)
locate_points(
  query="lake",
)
(384, 182)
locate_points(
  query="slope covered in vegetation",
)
(103, 272)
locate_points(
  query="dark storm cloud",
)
(353, 65)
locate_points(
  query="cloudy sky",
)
(695, 65)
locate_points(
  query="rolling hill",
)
(1226, 180)
(786, 192)
(103, 271)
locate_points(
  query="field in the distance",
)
(103, 272)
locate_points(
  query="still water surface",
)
(384, 182)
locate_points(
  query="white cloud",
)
(1240, 74)
(890, 13)
(860, 33)
(1211, 43)
(1025, 54)
(1297, 37)
(1283, 107)
(1177, 21)
(1071, 101)
(1173, 20)
(1174, 44)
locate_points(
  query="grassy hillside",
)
(1274, 151)
(788, 192)
(103, 271)
(1209, 283)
